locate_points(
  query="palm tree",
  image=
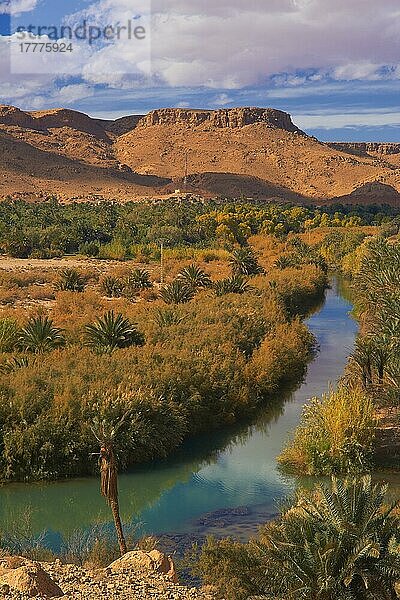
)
(112, 332)
(139, 279)
(112, 287)
(71, 280)
(244, 262)
(285, 262)
(105, 433)
(194, 277)
(177, 292)
(40, 335)
(115, 414)
(342, 543)
(362, 359)
(237, 284)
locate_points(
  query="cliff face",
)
(385, 149)
(231, 118)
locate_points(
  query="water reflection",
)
(235, 467)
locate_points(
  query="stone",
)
(28, 577)
(231, 118)
(150, 562)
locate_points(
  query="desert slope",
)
(258, 152)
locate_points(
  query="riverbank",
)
(138, 575)
(357, 428)
(204, 352)
(222, 470)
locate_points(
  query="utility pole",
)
(185, 180)
(162, 261)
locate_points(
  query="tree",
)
(111, 414)
(40, 335)
(70, 280)
(244, 262)
(111, 332)
(194, 277)
(237, 284)
(177, 292)
(340, 542)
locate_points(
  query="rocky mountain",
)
(256, 152)
(372, 148)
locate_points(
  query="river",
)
(225, 482)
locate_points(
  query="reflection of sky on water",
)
(169, 495)
(247, 473)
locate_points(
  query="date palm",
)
(14, 364)
(340, 544)
(112, 287)
(105, 429)
(285, 262)
(168, 317)
(139, 279)
(194, 277)
(177, 292)
(244, 262)
(111, 332)
(40, 335)
(119, 417)
(237, 284)
(70, 280)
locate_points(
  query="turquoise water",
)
(223, 470)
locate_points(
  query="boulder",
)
(147, 562)
(28, 577)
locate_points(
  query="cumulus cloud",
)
(17, 7)
(289, 48)
(235, 44)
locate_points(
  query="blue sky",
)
(333, 64)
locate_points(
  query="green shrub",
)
(8, 335)
(71, 280)
(335, 435)
(339, 542)
(177, 292)
(112, 332)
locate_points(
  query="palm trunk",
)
(114, 505)
(109, 489)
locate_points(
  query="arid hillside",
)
(255, 152)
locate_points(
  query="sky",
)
(333, 64)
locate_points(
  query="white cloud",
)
(222, 100)
(306, 46)
(245, 43)
(17, 7)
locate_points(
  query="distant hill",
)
(256, 152)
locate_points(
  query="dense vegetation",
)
(181, 357)
(117, 231)
(338, 432)
(339, 543)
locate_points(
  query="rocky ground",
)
(138, 575)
